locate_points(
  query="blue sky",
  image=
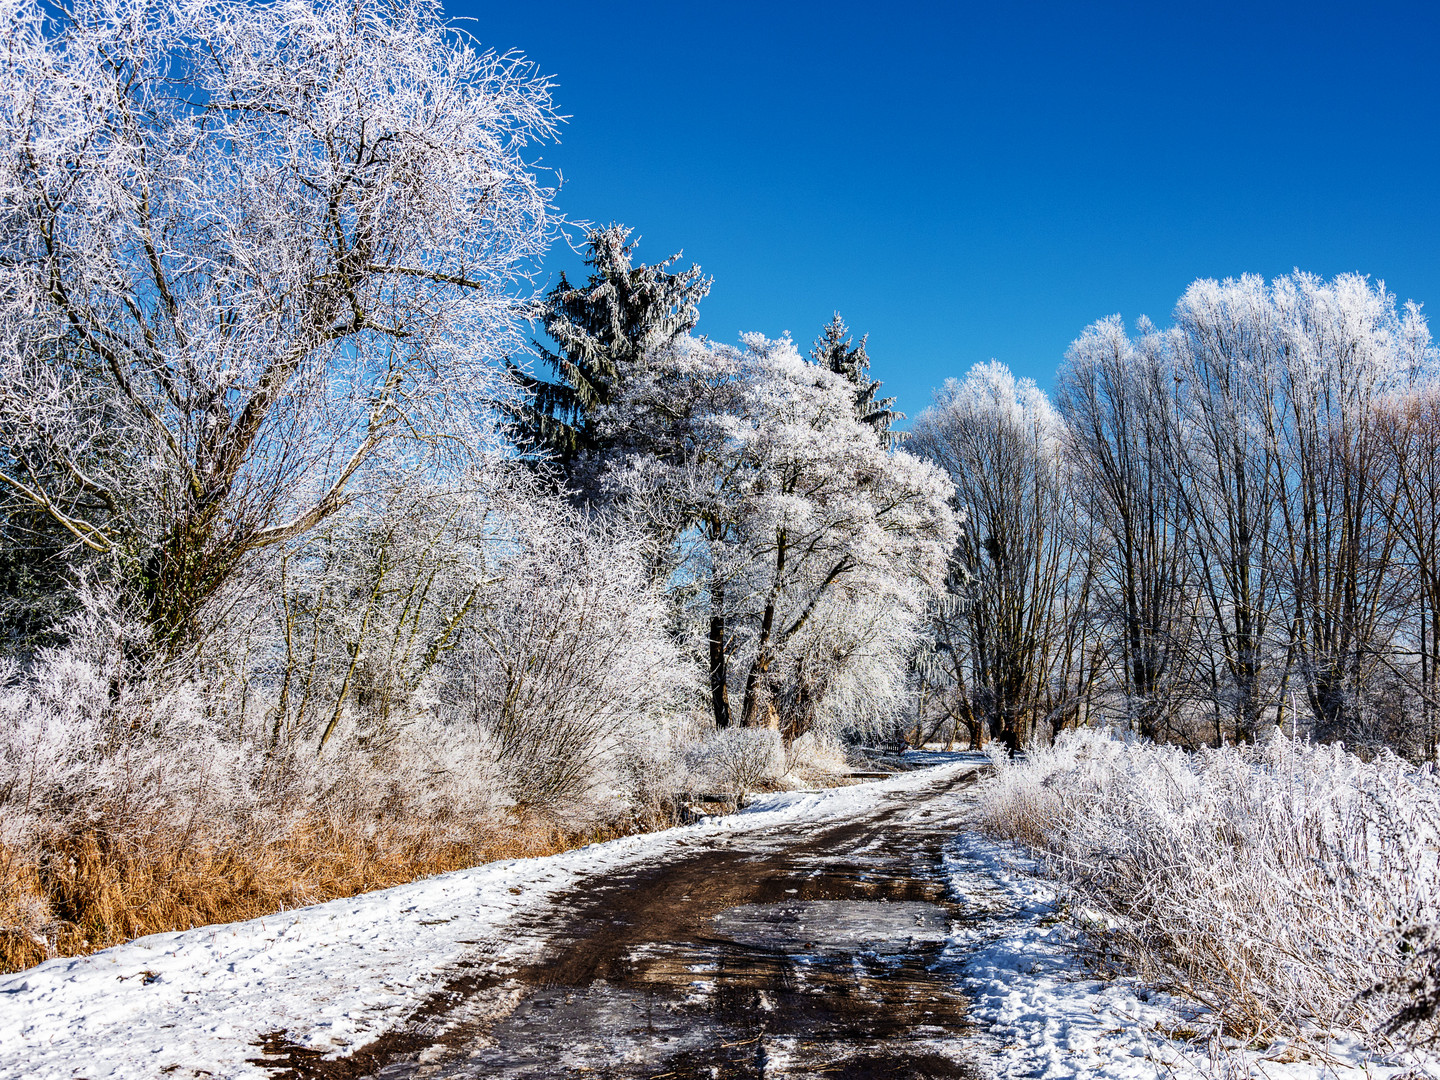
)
(975, 181)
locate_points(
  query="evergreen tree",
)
(602, 331)
(834, 350)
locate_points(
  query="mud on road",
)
(816, 951)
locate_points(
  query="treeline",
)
(1215, 528)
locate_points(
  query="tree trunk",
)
(719, 663)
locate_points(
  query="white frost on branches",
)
(1270, 883)
(811, 549)
(244, 248)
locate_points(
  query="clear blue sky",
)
(974, 181)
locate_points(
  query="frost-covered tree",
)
(1228, 355)
(824, 515)
(835, 351)
(486, 607)
(1252, 472)
(245, 252)
(1408, 435)
(602, 332)
(365, 609)
(666, 469)
(1279, 455)
(1346, 349)
(1116, 397)
(815, 548)
(1009, 634)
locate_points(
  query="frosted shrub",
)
(816, 754)
(738, 761)
(82, 727)
(1270, 883)
(436, 697)
(566, 656)
(655, 770)
(129, 804)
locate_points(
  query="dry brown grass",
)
(86, 889)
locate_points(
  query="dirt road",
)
(809, 952)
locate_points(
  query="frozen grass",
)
(1272, 884)
(124, 812)
(131, 807)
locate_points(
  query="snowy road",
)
(419, 978)
(812, 948)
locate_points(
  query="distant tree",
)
(1346, 350)
(1259, 480)
(1115, 396)
(834, 350)
(1228, 357)
(1004, 638)
(1408, 432)
(602, 333)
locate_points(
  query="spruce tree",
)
(834, 350)
(601, 331)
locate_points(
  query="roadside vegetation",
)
(1288, 887)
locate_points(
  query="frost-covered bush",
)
(423, 675)
(816, 754)
(1271, 883)
(654, 770)
(737, 761)
(134, 798)
(565, 658)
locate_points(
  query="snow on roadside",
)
(334, 976)
(1042, 1014)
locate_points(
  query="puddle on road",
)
(825, 925)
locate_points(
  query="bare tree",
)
(1116, 397)
(1229, 355)
(1408, 430)
(1345, 348)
